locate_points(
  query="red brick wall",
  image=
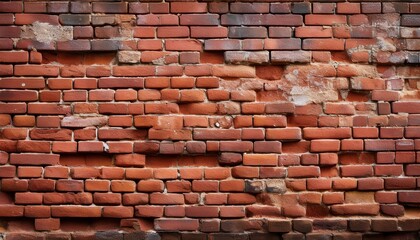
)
(217, 120)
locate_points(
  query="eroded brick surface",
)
(209, 120)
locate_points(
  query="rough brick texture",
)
(209, 119)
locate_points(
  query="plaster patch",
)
(47, 33)
(308, 84)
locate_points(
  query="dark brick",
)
(326, 224)
(301, 7)
(384, 225)
(109, 235)
(170, 236)
(239, 7)
(279, 226)
(410, 20)
(397, 7)
(105, 45)
(280, 7)
(302, 225)
(141, 236)
(293, 236)
(374, 7)
(75, 19)
(347, 236)
(106, 7)
(247, 32)
(57, 7)
(359, 225)
(9, 32)
(74, 45)
(264, 236)
(318, 236)
(230, 158)
(193, 236)
(413, 57)
(80, 7)
(57, 236)
(24, 236)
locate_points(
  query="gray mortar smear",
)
(47, 33)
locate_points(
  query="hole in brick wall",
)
(78, 58)
(88, 224)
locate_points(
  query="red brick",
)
(232, 212)
(269, 19)
(126, 160)
(236, 185)
(123, 186)
(165, 199)
(321, 19)
(107, 198)
(135, 199)
(205, 186)
(325, 145)
(357, 171)
(28, 198)
(270, 121)
(387, 170)
(209, 32)
(69, 185)
(6, 70)
(75, 211)
(14, 57)
(283, 134)
(356, 209)
(215, 198)
(183, 45)
(303, 171)
(118, 212)
(97, 185)
(34, 159)
(260, 159)
(243, 172)
(348, 8)
(219, 134)
(34, 146)
(11, 211)
(149, 211)
(29, 83)
(29, 172)
(177, 225)
(36, 70)
(384, 225)
(241, 198)
(47, 224)
(37, 211)
(370, 184)
(150, 186)
(12, 185)
(323, 44)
